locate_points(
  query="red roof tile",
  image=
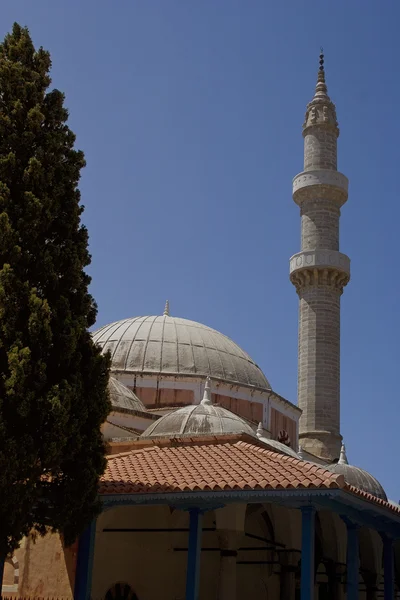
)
(372, 498)
(218, 466)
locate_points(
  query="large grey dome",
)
(172, 346)
(357, 477)
(198, 419)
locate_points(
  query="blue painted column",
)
(353, 561)
(388, 565)
(307, 553)
(84, 564)
(194, 553)
(2, 561)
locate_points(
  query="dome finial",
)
(166, 309)
(260, 430)
(343, 456)
(301, 453)
(207, 392)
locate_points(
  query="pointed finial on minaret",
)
(321, 89)
(207, 392)
(321, 60)
(321, 110)
(343, 457)
(166, 309)
(260, 430)
(301, 453)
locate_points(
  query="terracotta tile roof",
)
(372, 498)
(217, 466)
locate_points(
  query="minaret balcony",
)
(320, 260)
(321, 184)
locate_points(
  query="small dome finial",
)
(343, 457)
(166, 309)
(207, 392)
(301, 453)
(260, 430)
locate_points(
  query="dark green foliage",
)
(53, 380)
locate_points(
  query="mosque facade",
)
(217, 486)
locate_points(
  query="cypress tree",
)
(53, 379)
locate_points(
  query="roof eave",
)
(341, 501)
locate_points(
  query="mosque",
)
(216, 485)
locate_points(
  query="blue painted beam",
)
(340, 501)
(388, 565)
(376, 522)
(84, 565)
(307, 553)
(194, 553)
(353, 560)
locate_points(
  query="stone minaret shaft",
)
(320, 273)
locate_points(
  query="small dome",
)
(274, 444)
(122, 397)
(171, 346)
(357, 477)
(199, 419)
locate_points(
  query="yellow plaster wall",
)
(149, 564)
(46, 567)
(8, 575)
(147, 561)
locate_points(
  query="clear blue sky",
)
(190, 116)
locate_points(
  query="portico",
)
(233, 543)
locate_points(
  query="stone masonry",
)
(320, 273)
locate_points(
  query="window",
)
(121, 591)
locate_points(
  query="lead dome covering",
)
(357, 477)
(174, 346)
(202, 419)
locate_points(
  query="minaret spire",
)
(321, 89)
(321, 60)
(320, 272)
(321, 108)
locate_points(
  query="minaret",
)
(320, 273)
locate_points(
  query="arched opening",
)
(257, 559)
(327, 574)
(371, 560)
(322, 581)
(121, 591)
